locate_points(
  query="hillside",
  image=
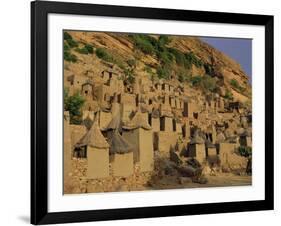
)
(156, 57)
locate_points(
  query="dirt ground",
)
(220, 180)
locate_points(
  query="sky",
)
(238, 49)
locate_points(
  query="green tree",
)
(89, 48)
(73, 104)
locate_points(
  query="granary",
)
(172, 101)
(115, 86)
(211, 134)
(210, 148)
(167, 87)
(164, 141)
(115, 122)
(121, 155)
(220, 103)
(109, 74)
(102, 94)
(158, 87)
(76, 133)
(136, 86)
(128, 106)
(178, 103)
(74, 83)
(227, 155)
(87, 90)
(177, 126)
(146, 84)
(189, 109)
(166, 121)
(139, 133)
(104, 118)
(97, 152)
(186, 130)
(196, 148)
(212, 104)
(154, 120)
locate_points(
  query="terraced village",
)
(148, 112)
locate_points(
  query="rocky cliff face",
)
(229, 76)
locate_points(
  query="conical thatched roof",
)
(116, 117)
(137, 121)
(113, 124)
(93, 138)
(118, 145)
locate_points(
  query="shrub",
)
(183, 76)
(66, 47)
(163, 72)
(131, 62)
(228, 95)
(82, 50)
(148, 69)
(192, 59)
(69, 57)
(165, 57)
(72, 43)
(89, 48)
(145, 43)
(66, 36)
(104, 55)
(196, 80)
(245, 151)
(73, 104)
(163, 40)
(179, 56)
(235, 84)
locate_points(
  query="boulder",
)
(174, 157)
(185, 180)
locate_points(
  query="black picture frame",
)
(39, 115)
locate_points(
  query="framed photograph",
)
(145, 112)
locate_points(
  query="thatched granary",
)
(196, 148)
(97, 152)
(154, 120)
(121, 155)
(115, 122)
(139, 133)
(210, 148)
